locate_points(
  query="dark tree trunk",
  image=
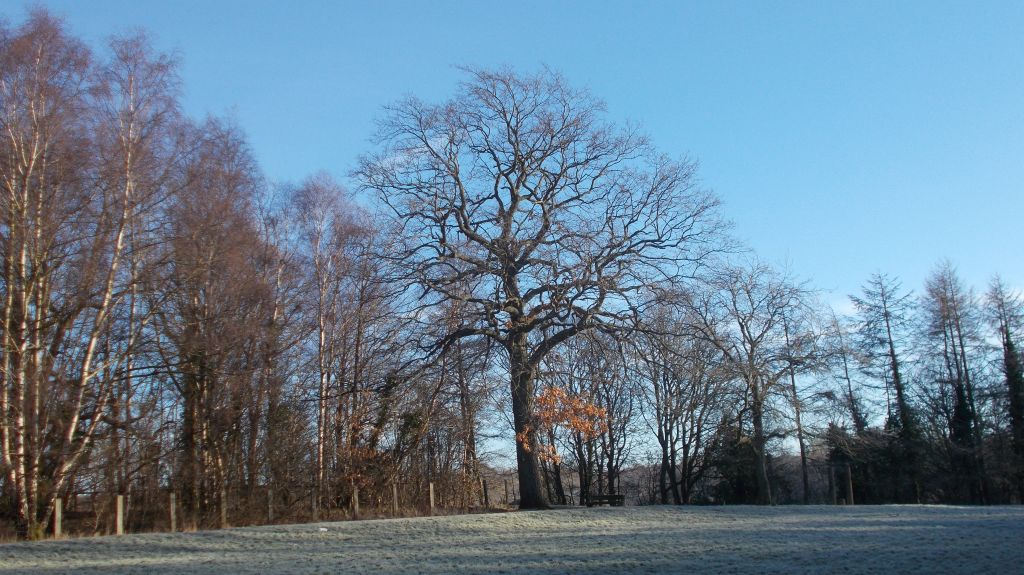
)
(585, 468)
(557, 486)
(799, 427)
(663, 477)
(531, 490)
(610, 467)
(669, 480)
(764, 494)
(674, 483)
(803, 447)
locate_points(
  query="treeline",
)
(750, 392)
(173, 322)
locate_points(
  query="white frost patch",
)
(863, 539)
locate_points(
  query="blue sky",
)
(842, 137)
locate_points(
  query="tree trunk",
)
(799, 426)
(467, 412)
(531, 491)
(764, 496)
(585, 467)
(800, 440)
(663, 475)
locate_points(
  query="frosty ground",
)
(868, 539)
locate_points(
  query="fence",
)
(98, 513)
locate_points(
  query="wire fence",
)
(91, 513)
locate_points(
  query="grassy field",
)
(863, 539)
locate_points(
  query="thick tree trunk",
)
(531, 491)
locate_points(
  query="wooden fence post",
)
(58, 516)
(506, 492)
(174, 512)
(119, 516)
(487, 498)
(431, 497)
(394, 499)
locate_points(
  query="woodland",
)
(518, 303)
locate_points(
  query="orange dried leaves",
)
(555, 407)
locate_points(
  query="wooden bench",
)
(613, 500)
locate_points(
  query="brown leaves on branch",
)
(556, 408)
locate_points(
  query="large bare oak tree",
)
(519, 201)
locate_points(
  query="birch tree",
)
(84, 155)
(325, 228)
(212, 307)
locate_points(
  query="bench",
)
(613, 500)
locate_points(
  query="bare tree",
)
(326, 227)
(85, 156)
(951, 343)
(138, 139)
(614, 390)
(749, 314)
(214, 304)
(684, 391)
(572, 368)
(557, 222)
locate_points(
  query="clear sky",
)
(843, 137)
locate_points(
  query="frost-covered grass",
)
(884, 539)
